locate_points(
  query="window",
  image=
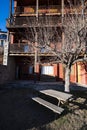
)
(26, 48)
(30, 69)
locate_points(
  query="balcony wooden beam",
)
(30, 54)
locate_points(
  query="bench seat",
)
(49, 105)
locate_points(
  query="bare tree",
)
(68, 41)
(64, 37)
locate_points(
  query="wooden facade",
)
(29, 15)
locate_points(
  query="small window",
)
(26, 48)
(30, 69)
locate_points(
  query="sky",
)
(4, 13)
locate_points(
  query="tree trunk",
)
(67, 79)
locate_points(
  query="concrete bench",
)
(49, 105)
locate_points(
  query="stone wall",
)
(7, 73)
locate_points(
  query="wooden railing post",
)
(36, 51)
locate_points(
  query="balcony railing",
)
(23, 48)
(42, 9)
(20, 48)
(48, 16)
(32, 22)
(19, 10)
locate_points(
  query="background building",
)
(7, 64)
(3, 40)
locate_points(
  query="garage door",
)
(47, 70)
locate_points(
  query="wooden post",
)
(15, 6)
(62, 10)
(10, 14)
(10, 9)
(82, 1)
(37, 6)
(75, 2)
(11, 37)
(36, 51)
(36, 55)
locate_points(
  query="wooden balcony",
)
(43, 21)
(23, 49)
(28, 10)
(20, 48)
(47, 10)
(25, 16)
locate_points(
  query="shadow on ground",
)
(19, 112)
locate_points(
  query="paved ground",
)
(44, 85)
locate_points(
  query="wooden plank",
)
(49, 105)
(57, 94)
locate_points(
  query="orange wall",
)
(55, 69)
(73, 73)
(61, 76)
(37, 68)
(78, 72)
(82, 74)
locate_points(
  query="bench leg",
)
(59, 103)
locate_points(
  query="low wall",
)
(7, 73)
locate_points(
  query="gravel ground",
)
(19, 112)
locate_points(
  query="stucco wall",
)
(7, 73)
